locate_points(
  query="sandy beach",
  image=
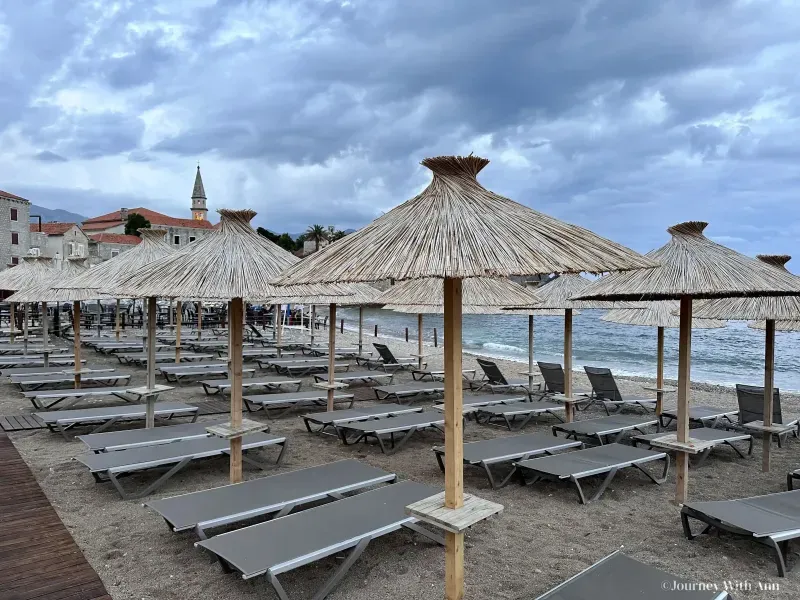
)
(542, 538)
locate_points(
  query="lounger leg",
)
(441, 466)
(600, 491)
(283, 446)
(105, 425)
(653, 478)
(339, 574)
(152, 487)
(425, 533)
(789, 482)
(781, 552)
(701, 458)
(739, 452)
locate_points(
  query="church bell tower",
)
(199, 210)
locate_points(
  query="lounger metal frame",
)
(790, 477)
(618, 432)
(212, 386)
(528, 410)
(387, 429)
(62, 425)
(288, 405)
(352, 418)
(382, 393)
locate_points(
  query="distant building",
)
(104, 246)
(58, 240)
(179, 231)
(14, 237)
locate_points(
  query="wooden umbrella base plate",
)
(455, 520)
(228, 431)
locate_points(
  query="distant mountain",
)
(55, 214)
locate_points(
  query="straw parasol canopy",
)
(50, 290)
(656, 314)
(692, 266)
(346, 294)
(32, 270)
(479, 294)
(778, 308)
(456, 229)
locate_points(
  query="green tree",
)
(134, 223)
(284, 240)
(317, 234)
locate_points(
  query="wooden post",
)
(76, 341)
(341, 327)
(569, 407)
(45, 336)
(25, 316)
(454, 440)
(769, 385)
(99, 317)
(360, 329)
(169, 315)
(116, 320)
(313, 322)
(12, 323)
(376, 330)
(179, 324)
(331, 354)
(660, 373)
(419, 341)
(150, 417)
(406, 335)
(684, 383)
(199, 320)
(279, 317)
(275, 323)
(435, 338)
(236, 328)
(530, 352)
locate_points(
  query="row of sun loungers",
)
(37, 382)
(282, 404)
(49, 399)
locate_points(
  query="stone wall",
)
(9, 251)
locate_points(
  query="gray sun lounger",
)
(32, 371)
(285, 403)
(137, 438)
(606, 392)
(38, 382)
(772, 520)
(438, 375)
(334, 418)
(413, 390)
(47, 399)
(220, 386)
(382, 428)
(323, 350)
(362, 376)
(516, 416)
(38, 361)
(388, 361)
(284, 544)
(553, 375)
(276, 495)
(600, 460)
(140, 358)
(487, 453)
(303, 368)
(718, 437)
(105, 417)
(621, 577)
(109, 466)
(751, 409)
(494, 380)
(472, 403)
(278, 362)
(600, 430)
(178, 374)
(707, 416)
(790, 477)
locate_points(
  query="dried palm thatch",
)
(420, 309)
(484, 292)
(105, 275)
(693, 266)
(51, 290)
(778, 308)
(231, 262)
(656, 314)
(558, 294)
(456, 228)
(32, 270)
(345, 294)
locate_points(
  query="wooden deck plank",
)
(39, 560)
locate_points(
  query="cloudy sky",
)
(624, 116)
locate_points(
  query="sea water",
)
(726, 356)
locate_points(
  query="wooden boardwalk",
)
(38, 557)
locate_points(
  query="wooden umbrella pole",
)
(76, 340)
(331, 354)
(25, 316)
(236, 328)
(360, 330)
(569, 407)
(179, 324)
(279, 317)
(419, 340)
(169, 316)
(150, 417)
(454, 436)
(116, 321)
(99, 317)
(684, 382)
(275, 323)
(45, 337)
(199, 320)
(660, 373)
(530, 352)
(313, 322)
(13, 322)
(769, 384)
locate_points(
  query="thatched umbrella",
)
(107, 274)
(481, 296)
(456, 229)
(693, 267)
(32, 270)
(767, 310)
(45, 292)
(233, 263)
(659, 315)
(557, 298)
